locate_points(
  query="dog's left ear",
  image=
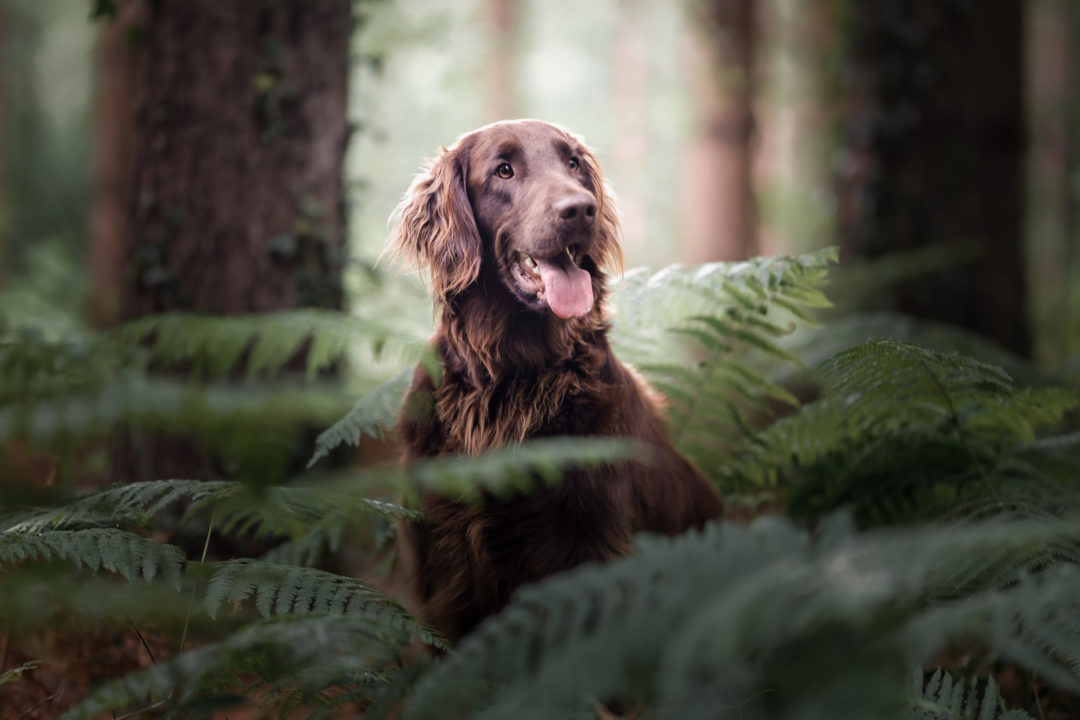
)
(607, 250)
(437, 229)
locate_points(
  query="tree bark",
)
(721, 213)
(240, 134)
(236, 195)
(114, 127)
(932, 133)
(3, 164)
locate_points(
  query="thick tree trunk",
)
(3, 164)
(237, 200)
(720, 212)
(236, 197)
(933, 132)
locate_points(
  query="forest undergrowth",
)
(902, 540)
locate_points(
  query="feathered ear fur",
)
(607, 250)
(436, 227)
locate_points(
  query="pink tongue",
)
(568, 289)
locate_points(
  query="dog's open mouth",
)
(556, 281)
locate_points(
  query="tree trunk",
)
(720, 211)
(3, 163)
(932, 132)
(237, 202)
(630, 150)
(114, 127)
(501, 80)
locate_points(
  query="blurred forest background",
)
(937, 144)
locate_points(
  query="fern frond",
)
(214, 345)
(498, 473)
(132, 503)
(713, 619)
(942, 698)
(372, 415)
(283, 589)
(208, 414)
(336, 654)
(96, 549)
(729, 313)
(900, 423)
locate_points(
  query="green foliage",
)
(260, 344)
(322, 660)
(763, 618)
(105, 549)
(942, 698)
(902, 431)
(767, 620)
(732, 316)
(372, 415)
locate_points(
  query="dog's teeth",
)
(528, 261)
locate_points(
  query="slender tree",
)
(932, 134)
(114, 119)
(503, 21)
(721, 213)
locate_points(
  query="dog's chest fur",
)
(489, 412)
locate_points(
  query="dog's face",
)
(523, 200)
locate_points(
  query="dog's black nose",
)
(579, 207)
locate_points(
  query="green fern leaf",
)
(323, 647)
(372, 415)
(115, 550)
(278, 589)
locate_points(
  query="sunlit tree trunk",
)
(932, 126)
(720, 212)
(630, 150)
(791, 175)
(240, 133)
(501, 80)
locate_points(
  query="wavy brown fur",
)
(513, 370)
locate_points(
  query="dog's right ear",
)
(436, 227)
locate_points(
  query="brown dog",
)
(516, 227)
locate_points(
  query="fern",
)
(942, 698)
(326, 648)
(758, 618)
(372, 415)
(269, 417)
(122, 552)
(134, 503)
(761, 621)
(904, 425)
(281, 589)
(213, 346)
(725, 310)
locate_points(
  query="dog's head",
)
(524, 200)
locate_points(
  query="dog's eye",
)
(504, 171)
(573, 163)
